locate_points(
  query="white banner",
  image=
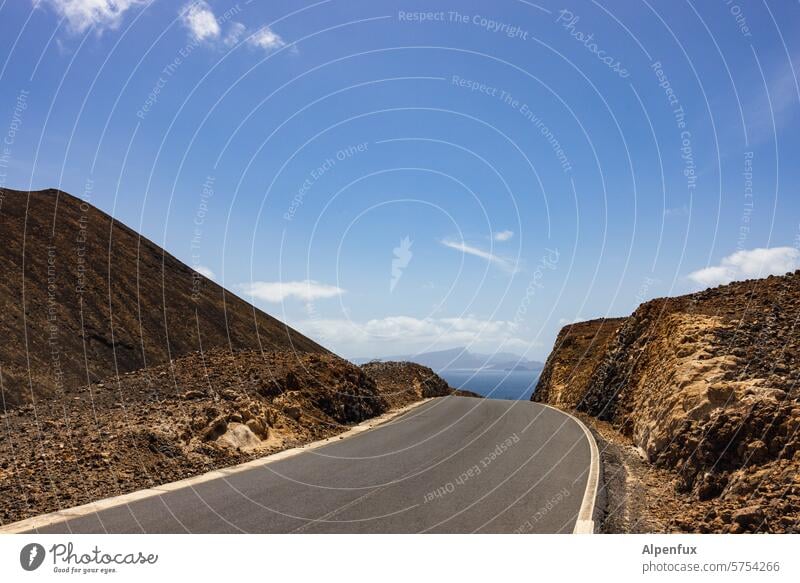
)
(357, 558)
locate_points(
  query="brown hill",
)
(706, 385)
(83, 297)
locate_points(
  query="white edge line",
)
(585, 523)
(51, 518)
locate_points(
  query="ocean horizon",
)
(493, 384)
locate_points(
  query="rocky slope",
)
(83, 297)
(402, 383)
(204, 411)
(706, 385)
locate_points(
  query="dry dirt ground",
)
(202, 412)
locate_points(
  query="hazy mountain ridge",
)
(461, 358)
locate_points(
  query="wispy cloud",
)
(503, 235)
(501, 262)
(235, 32)
(776, 98)
(278, 291)
(677, 211)
(783, 95)
(749, 264)
(401, 257)
(82, 15)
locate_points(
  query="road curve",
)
(452, 465)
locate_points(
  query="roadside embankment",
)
(704, 386)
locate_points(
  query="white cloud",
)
(503, 235)
(84, 14)
(397, 332)
(203, 25)
(501, 262)
(749, 264)
(279, 291)
(200, 20)
(266, 39)
(206, 271)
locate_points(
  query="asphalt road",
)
(453, 465)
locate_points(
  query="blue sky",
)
(393, 177)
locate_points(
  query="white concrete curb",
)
(586, 523)
(92, 507)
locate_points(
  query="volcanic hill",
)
(83, 297)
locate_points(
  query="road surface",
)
(452, 465)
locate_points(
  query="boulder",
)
(216, 428)
(293, 412)
(748, 516)
(756, 452)
(258, 427)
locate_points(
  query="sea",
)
(494, 384)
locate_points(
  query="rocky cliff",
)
(578, 350)
(707, 386)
